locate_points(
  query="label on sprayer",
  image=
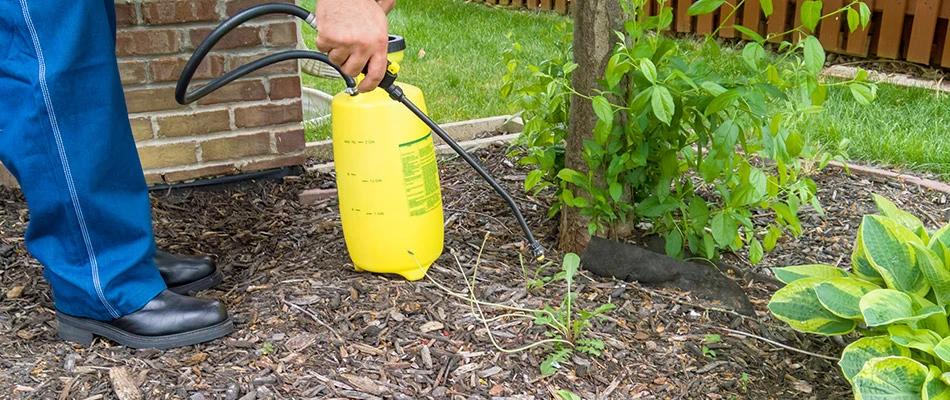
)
(421, 175)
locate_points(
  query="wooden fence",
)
(911, 30)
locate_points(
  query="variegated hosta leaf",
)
(793, 273)
(934, 387)
(887, 306)
(888, 209)
(890, 378)
(798, 305)
(920, 339)
(884, 243)
(942, 349)
(861, 264)
(942, 251)
(934, 271)
(842, 296)
(862, 350)
(942, 235)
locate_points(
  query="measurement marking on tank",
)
(374, 180)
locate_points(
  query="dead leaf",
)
(195, 359)
(16, 292)
(422, 53)
(496, 390)
(25, 335)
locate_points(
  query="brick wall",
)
(251, 124)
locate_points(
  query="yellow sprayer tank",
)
(388, 183)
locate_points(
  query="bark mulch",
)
(309, 326)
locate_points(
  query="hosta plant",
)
(896, 295)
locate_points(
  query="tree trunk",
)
(595, 22)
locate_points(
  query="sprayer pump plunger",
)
(388, 84)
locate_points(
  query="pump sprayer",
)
(387, 180)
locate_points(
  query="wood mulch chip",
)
(310, 327)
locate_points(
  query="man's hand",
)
(354, 34)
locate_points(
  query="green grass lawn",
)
(454, 53)
(905, 127)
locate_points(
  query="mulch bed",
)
(309, 326)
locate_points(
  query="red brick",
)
(285, 87)
(242, 90)
(168, 69)
(193, 123)
(175, 12)
(291, 141)
(240, 37)
(282, 33)
(167, 155)
(281, 68)
(151, 99)
(147, 42)
(256, 144)
(236, 6)
(125, 14)
(272, 163)
(182, 175)
(269, 114)
(132, 72)
(141, 128)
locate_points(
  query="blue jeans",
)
(65, 136)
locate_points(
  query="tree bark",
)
(595, 22)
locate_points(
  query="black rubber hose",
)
(184, 97)
(397, 94)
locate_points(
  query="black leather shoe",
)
(169, 320)
(186, 274)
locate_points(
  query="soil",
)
(310, 326)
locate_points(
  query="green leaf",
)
(888, 209)
(853, 19)
(814, 54)
(856, 354)
(842, 296)
(863, 93)
(934, 271)
(603, 110)
(755, 252)
(771, 238)
(794, 144)
(884, 245)
(533, 178)
(890, 378)
(721, 102)
(570, 265)
(567, 395)
(713, 88)
(648, 70)
(942, 349)
(724, 229)
(934, 387)
(753, 53)
(704, 7)
(751, 34)
(766, 7)
(572, 176)
(698, 213)
(811, 14)
(921, 339)
(793, 273)
(861, 265)
(652, 207)
(674, 244)
(663, 106)
(798, 305)
(886, 306)
(616, 190)
(865, 12)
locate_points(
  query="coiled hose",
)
(182, 96)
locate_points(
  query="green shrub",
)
(679, 146)
(896, 295)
